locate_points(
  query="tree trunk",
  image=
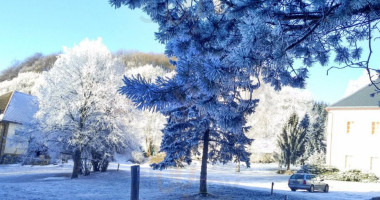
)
(238, 166)
(86, 168)
(95, 165)
(104, 166)
(288, 166)
(203, 179)
(77, 164)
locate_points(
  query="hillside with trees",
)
(21, 75)
(36, 63)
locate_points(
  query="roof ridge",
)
(344, 98)
(10, 99)
(22, 93)
(357, 94)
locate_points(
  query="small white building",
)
(353, 132)
(16, 108)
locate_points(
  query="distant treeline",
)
(39, 62)
(34, 63)
(136, 59)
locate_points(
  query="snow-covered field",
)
(53, 182)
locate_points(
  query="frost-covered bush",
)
(319, 169)
(331, 173)
(317, 158)
(10, 159)
(263, 158)
(355, 176)
(137, 157)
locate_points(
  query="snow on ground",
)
(53, 182)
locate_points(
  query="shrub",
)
(357, 176)
(137, 157)
(319, 169)
(317, 158)
(332, 173)
(263, 158)
(159, 157)
(285, 172)
(10, 159)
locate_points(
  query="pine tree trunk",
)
(238, 167)
(203, 179)
(77, 164)
(288, 166)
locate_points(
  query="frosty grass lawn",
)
(53, 182)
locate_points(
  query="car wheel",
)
(293, 189)
(311, 189)
(326, 188)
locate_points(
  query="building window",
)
(375, 127)
(374, 164)
(349, 126)
(348, 162)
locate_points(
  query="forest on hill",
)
(38, 62)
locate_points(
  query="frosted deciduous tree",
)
(222, 46)
(24, 82)
(274, 109)
(150, 123)
(81, 112)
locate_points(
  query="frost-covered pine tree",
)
(292, 140)
(316, 139)
(221, 48)
(81, 113)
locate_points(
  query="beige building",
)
(16, 109)
(353, 132)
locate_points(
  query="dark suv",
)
(307, 182)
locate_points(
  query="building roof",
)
(20, 107)
(360, 99)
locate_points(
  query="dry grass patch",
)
(157, 158)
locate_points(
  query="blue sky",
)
(30, 26)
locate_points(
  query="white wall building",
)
(353, 132)
(16, 108)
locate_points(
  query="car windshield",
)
(297, 176)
